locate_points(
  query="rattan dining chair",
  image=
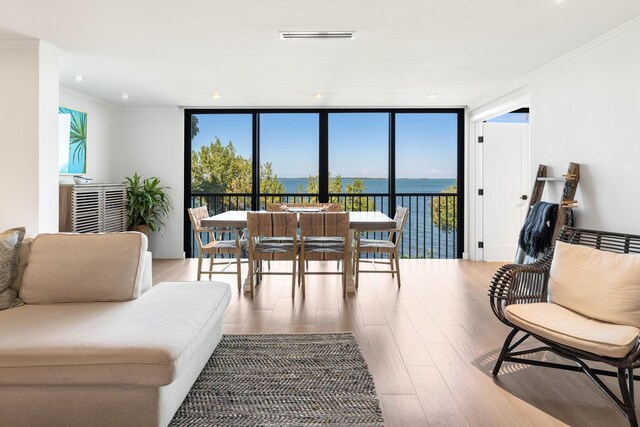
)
(216, 245)
(389, 246)
(272, 236)
(285, 207)
(324, 236)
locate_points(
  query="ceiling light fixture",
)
(317, 35)
(216, 95)
(125, 96)
(432, 95)
(318, 95)
(79, 78)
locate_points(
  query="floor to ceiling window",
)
(366, 160)
(288, 157)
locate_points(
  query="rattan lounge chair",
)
(582, 302)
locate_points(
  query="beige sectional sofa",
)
(96, 345)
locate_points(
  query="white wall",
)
(28, 135)
(104, 132)
(584, 108)
(152, 144)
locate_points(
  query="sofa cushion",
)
(23, 258)
(598, 284)
(564, 326)
(146, 341)
(84, 268)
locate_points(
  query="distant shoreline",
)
(360, 177)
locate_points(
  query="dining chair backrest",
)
(324, 224)
(272, 224)
(196, 215)
(284, 207)
(400, 218)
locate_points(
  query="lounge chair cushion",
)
(597, 284)
(572, 329)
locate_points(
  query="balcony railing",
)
(430, 231)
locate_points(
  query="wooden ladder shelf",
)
(567, 201)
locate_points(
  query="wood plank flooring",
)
(430, 345)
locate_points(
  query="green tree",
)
(217, 168)
(444, 210)
(269, 182)
(195, 129)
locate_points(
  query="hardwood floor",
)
(430, 345)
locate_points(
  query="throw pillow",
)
(10, 242)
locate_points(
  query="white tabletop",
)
(368, 221)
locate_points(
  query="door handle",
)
(524, 197)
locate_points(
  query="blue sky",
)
(358, 142)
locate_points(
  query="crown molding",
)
(51, 49)
(19, 43)
(576, 53)
(67, 90)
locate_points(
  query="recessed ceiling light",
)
(432, 95)
(125, 96)
(216, 95)
(79, 78)
(318, 95)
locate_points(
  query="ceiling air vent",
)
(316, 35)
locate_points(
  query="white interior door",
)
(505, 181)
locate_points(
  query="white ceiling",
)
(168, 53)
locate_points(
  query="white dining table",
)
(358, 222)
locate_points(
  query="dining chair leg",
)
(251, 270)
(293, 279)
(303, 271)
(211, 257)
(344, 280)
(239, 270)
(395, 256)
(269, 265)
(357, 262)
(199, 266)
(391, 265)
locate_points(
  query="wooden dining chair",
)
(389, 246)
(324, 236)
(272, 236)
(216, 245)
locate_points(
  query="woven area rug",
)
(283, 380)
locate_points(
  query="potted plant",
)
(147, 204)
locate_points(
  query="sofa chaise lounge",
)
(94, 343)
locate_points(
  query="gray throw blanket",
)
(537, 231)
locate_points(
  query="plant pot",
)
(144, 229)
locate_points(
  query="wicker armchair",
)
(529, 284)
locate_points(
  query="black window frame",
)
(323, 156)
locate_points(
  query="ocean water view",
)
(379, 185)
(423, 236)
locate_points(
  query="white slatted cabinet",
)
(98, 208)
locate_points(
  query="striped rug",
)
(283, 380)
